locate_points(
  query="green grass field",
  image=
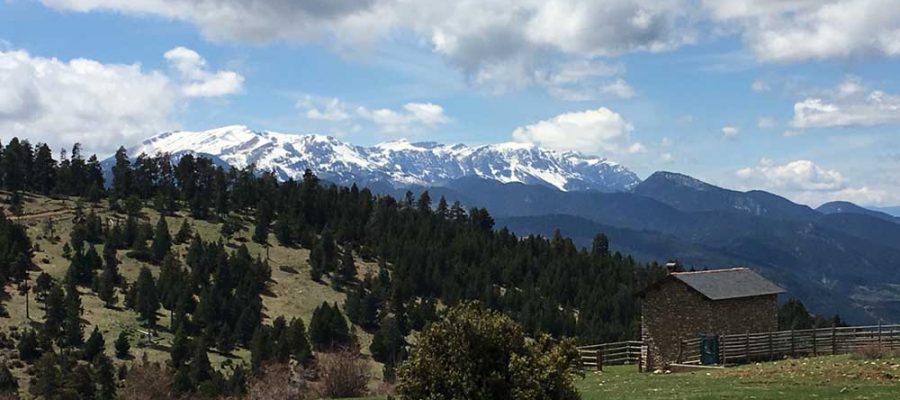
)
(832, 377)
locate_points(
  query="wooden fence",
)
(618, 353)
(749, 347)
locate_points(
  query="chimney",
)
(674, 266)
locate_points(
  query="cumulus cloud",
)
(797, 30)
(806, 182)
(586, 80)
(848, 104)
(62, 102)
(412, 117)
(730, 132)
(765, 122)
(592, 131)
(199, 81)
(499, 44)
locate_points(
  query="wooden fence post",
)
(724, 349)
(599, 355)
(771, 349)
(793, 346)
(833, 339)
(815, 333)
(879, 333)
(680, 351)
(747, 348)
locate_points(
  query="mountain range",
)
(837, 258)
(398, 163)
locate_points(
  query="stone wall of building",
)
(673, 311)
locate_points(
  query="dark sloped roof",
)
(721, 284)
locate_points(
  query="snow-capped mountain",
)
(399, 163)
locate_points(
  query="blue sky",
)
(797, 97)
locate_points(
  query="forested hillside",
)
(199, 256)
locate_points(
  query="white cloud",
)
(765, 122)
(848, 104)
(806, 182)
(63, 102)
(499, 44)
(586, 80)
(797, 30)
(81, 100)
(411, 118)
(760, 86)
(199, 82)
(730, 132)
(591, 131)
(327, 109)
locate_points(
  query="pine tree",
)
(328, 329)
(600, 246)
(146, 299)
(93, 346)
(55, 311)
(180, 349)
(260, 347)
(9, 385)
(201, 371)
(122, 345)
(162, 241)
(28, 346)
(184, 233)
(73, 332)
(104, 377)
(347, 270)
(388, 344)
(299, 343)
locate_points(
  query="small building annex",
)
(687, 305)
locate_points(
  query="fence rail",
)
(617, 353)
(759, 346)
(748, 347)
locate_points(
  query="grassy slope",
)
(292, 294)
(823, 378)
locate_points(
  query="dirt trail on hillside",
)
(44, 214)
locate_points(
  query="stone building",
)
(686, 305)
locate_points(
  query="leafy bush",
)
(473, 353)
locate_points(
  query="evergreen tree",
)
(123, 346)
(93, 346)
(162, 241)
(388, 344)
(28, 346)
(146, 301)
(201, 370)
(104, 377)
(347, 270)
(184, 233)
(55, 312)
(180, 349)
(328, 329)
(9, 385)
(42, 286)
(298, 342)
(73, 332)
(600, 245)
(260, 348)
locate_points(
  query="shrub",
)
(342, 374)
(473, 353)
(148, 381)
(277, 382)
(872, 351)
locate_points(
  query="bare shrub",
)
(342, 374)
(278, 382)
(148, 381)
(872, 351)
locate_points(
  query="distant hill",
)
(842, 262)
(837, 207)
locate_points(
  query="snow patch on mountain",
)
(399, 162)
